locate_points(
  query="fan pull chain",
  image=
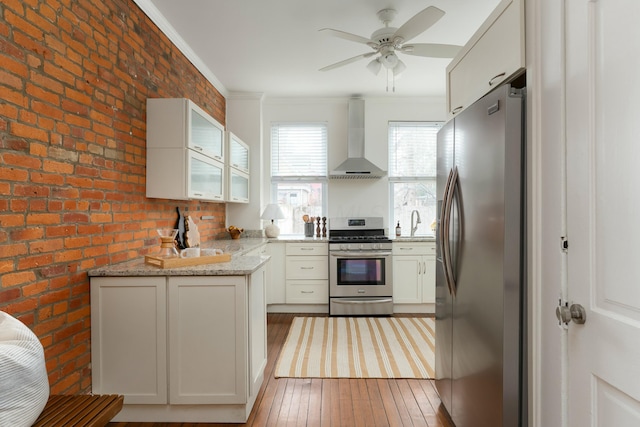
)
(393, 81)
(387, 70)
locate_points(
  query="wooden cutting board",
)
(191, 233)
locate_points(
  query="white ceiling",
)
(274, 46)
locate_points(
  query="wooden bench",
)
(79, 410)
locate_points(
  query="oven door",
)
(360, 274)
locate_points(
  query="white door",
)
(603, 210)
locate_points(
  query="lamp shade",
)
(272, 212)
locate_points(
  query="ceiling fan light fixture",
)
(389, 60)
(399, 68)
(374, 66)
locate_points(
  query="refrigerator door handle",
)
(443, 230)
(446, 246)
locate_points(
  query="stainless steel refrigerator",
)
(480, 273)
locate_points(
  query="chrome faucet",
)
(414, 228)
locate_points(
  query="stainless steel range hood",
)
(356, 166)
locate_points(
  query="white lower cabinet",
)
(195, 338)
(129, 338)
(307, 273)
(180, 348)
(413, 272)
(276, 289)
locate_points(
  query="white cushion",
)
(24, 386)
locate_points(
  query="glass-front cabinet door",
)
(238, 186)
(206, 135)
(238, 153)
(205, 177)
(185, 152)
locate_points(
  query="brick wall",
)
(74, 79)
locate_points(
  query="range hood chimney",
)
(356, 166)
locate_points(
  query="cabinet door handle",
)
(307, 292)
(306, 268)
(306, 249)
(406, 249)
(456, 110)
(496, 77)
(197, 147)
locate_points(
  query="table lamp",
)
(272, 212)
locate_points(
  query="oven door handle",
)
(376, 254)
(367, 301)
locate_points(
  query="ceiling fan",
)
(388, 41)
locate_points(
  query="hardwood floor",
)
(332, 402)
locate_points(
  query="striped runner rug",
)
(358, 347)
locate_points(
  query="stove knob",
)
(344, 247)
(376, 246)
(361, 246)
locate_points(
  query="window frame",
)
(395, 180)
(279, 180)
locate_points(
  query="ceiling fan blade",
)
(419, 23)
(431, 50)
(346, 36)
(347, 61)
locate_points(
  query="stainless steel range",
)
(360, 267)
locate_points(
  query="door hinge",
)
(564, 244)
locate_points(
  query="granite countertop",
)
(294, 238)
(297, 238)
(427, 238)
(240, 265)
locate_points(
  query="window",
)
(298, 172)
(412, 174)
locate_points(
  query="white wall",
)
(359, 197)
(244, 118)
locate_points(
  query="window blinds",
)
(412, 149)
(298, 150)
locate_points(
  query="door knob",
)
(575, 312)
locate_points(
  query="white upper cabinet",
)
(185, 151)
(205, 134)
(494, 55)
(238, 169)
(238, 153)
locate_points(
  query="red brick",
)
(14, 97)
(18, 23)
(42, 219)
(7, 295)
(10, 80)
(36, 289)
(17, 278)
(12, 250)
(45, 246)
(42, 94)
(30, 233)
(66, 256)
(79, 119)
(21, 160)
(47, 110)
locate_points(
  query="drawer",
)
(307, 249)
(408, 248)
(307, 267)
(307, 292)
